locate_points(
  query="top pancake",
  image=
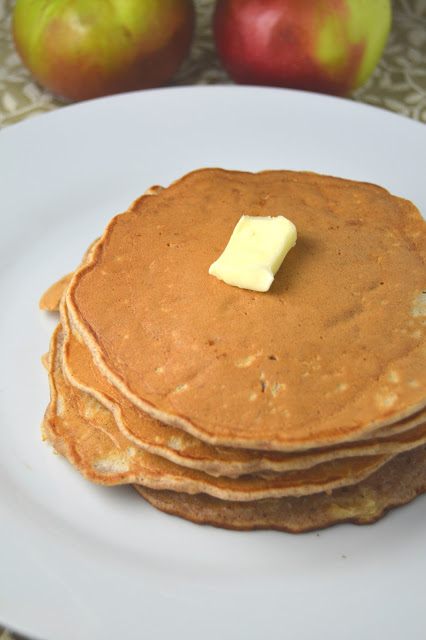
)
(333, 351)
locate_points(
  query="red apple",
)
(82, 49)
(330, 46)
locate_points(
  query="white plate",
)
(82, 561)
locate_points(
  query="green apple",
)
(330, 46)
(81, 49)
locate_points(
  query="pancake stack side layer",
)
(293, 409)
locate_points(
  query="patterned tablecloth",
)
(398, 83)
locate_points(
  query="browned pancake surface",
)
(92, 444)
(334, 349)
(183, 448)
(85, 432)
(396, 483)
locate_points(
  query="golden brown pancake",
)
(293, 409)
(85, 432)
(182, 448)
(394, 484)
(334, 351)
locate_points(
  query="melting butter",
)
(255, 252)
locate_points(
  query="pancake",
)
(394, 484)
(334, 351)
(294, 409)
(182, 448)
(85, 432)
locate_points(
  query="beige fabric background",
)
(398, 83)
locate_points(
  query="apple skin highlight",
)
(329, 47)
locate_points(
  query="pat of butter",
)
(255, 251)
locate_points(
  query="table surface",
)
(398, 83)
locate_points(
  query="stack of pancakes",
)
(293, 409)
